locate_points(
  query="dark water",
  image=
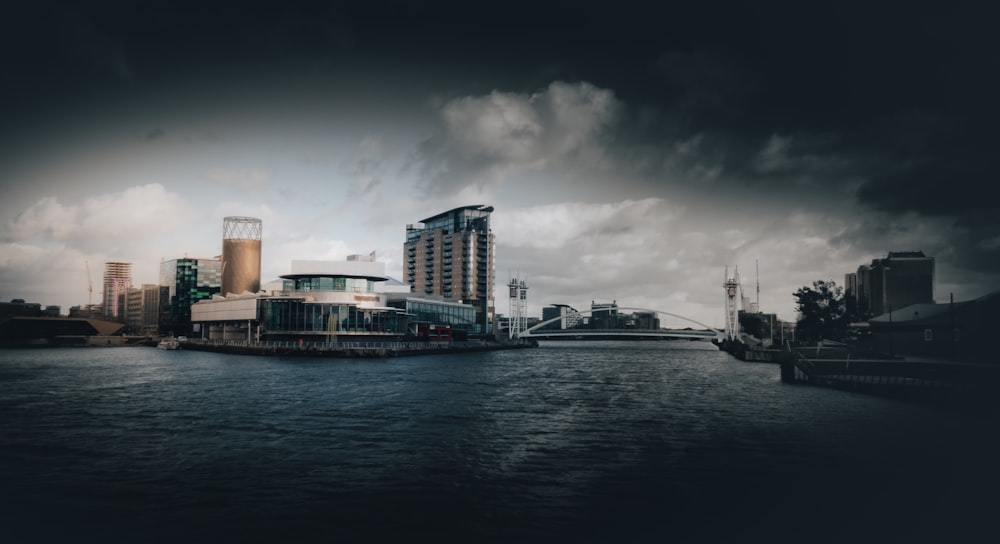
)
(595, 442)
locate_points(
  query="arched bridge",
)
(537, 331)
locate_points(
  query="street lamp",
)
(890, 331)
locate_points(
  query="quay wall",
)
(350, 349)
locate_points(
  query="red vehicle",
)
(434, 333)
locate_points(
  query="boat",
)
(169, 343)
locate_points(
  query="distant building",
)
(92, 311)
(143, 312)
(901, 279)
(187, 281)
(19, 308)
(570, 318)
(648, 321)
(36, 331)
(117, 280)
(604, 316)
(133, 310)
(451, 255)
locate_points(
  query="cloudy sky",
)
(631, 153)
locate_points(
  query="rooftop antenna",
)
(757, 273)
(90, 287)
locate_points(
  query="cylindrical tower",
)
(240, 255)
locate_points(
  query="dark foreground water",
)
(594, 442)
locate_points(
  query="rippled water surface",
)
(588, 441)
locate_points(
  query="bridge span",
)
(538, 331)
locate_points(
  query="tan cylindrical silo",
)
(241, 255)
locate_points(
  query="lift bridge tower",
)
(518, 307)
(732, 287)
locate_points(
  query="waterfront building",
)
(117, 280)
(241, 247)
(451, 255)
(187, 281)
(901, 279)
(60, 331)
(424, 311)
(330, 302)
(947, 330)
(318, 302)
(570, 318)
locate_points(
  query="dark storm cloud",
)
(893, 101)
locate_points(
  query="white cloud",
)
(46, 247)
(114, 219)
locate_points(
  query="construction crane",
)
(90, 287)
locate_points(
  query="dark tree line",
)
(826, 313)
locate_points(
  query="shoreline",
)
(351, 350)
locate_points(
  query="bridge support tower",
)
(732, 287)
(518, 308)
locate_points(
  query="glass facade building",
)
(286, 316)
(327, 304)
(460, 317)
(187, 281)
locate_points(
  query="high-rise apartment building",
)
(451, 255)
(117, 280)
(187, 281)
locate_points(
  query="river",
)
(571, 441)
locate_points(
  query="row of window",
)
(355, 285)
(300, 316)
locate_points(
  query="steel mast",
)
(732, 287)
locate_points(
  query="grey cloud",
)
(484, 139)
(248, 180)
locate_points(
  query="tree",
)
(824, 312)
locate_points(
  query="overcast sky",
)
(631, 153)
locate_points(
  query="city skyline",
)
(630, 154)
